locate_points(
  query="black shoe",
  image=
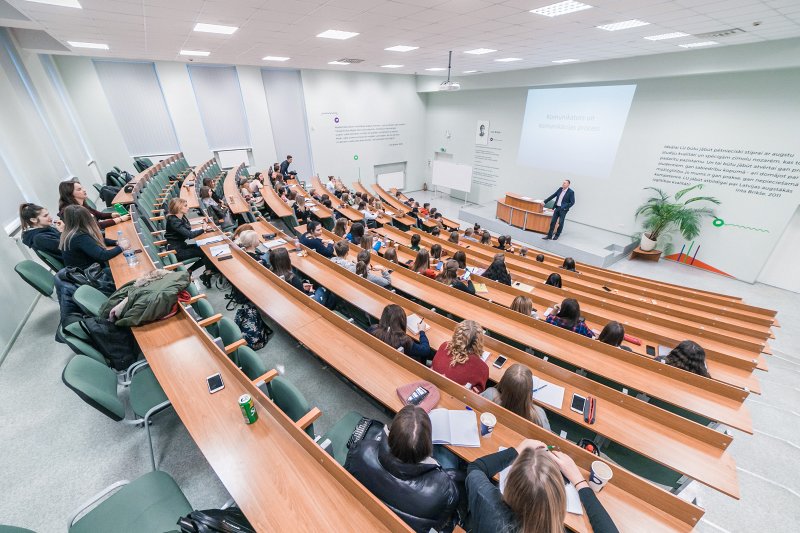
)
(555, 238)
(205, 277)
(546, 238)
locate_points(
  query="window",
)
(135, 97)
(219, 100)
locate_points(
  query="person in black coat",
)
(498, 271)
(38, 230)
(81, 243)
(179, 230)
(399, 470)
(312, 238)
(565, 199)
(392, 330)
(284, 168)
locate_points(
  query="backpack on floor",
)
(231, 520)
(254, 330)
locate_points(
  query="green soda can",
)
(248, 408)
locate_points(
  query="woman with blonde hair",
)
(523, 304)
(248, 241)
(513, 392)
(340, 228)
(460, 358)
(179, 230)
(533, 499)
(82, 244)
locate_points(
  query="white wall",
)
(361, 99)
(781, 269)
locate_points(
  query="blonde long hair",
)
(535, 492)
(77, 220)
(467, 340)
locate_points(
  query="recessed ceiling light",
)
(471, 71)
(698, 45)
(337, 63)
(565, 60)
(60, 3)
(195, 53)
(96, 46)
(435, 69)
(391, 66)
(673, 35)
(337, 34)
(214, 28)
(624, 25)
(480, 51)
(508, 59)
(275, 58)
(401, 48)
(561, 8)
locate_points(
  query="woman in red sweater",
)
(460, 359)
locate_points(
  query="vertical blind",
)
(287, 112)
(138, 105)
(219, 99)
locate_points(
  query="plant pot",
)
(646, 243)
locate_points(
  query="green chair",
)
(36, 276)
(78, 341)
(50, 260)
(89, 299)
(14, 529)
(96, 384)
(250, 363)
(154, 502)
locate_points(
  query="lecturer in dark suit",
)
(285, 166)
(565, 198)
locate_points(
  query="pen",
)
(539, 388)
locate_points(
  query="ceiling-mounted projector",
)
(449, 85)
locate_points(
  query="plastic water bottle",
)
(130, 257)
(297, 244)
(122, 241)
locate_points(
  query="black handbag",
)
(95, 275)
(231, 520)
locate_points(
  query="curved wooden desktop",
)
(523, 212)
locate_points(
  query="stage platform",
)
(584, 243)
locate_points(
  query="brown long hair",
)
(28, 211)
(467, 340)
(535, 492)
(362, 263)
(515, 392)
(392, 328)
(449, 273)
(422, 261)
(522, 304)
(77, 220)
(65, 194)
(410, 435)
(340, 229)
(175, 205)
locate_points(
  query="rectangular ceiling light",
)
(338, 63)
(673, 35)
(337, 34)
(624, 25)
(214, 28)
(698, 45)
(275, 58)
(60, 3)
(565, 61)
(508, 59)
(391, 66)
(480, 51)
(471, 71)
(199, 53)
(401, 48)
(435, 69)
(95, 46)
(561, 8)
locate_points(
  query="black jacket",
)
(567, 202)
(82, 251)
(44, 239)
(285, 168)
(179, 230)
(423, 494)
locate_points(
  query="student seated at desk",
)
(392, 330)
(312, 238)
(281, 264)
(368, 215)
(73, 193)
(390, 254)
(425, 209)
(613, 333)
(523, 304)
(449, 276)
(215, 211)
(513, 392)
(497, 271)
(422, 264)
(534, 500)
(501, 243)
(399, 466)
(438, 219)
(469, 235)
(569, 264)
(436, 231)
(460, 358)
(523, 252)
(248, 241)
(209, 182)
(340, 228)
(38, 230)
(689, 356)
(540, 258)
(179, 230)
(369, 242)
(356, 233)
(361, 266)
(82, 244)
(486, 238)
(569, 317)
(415, 242)
(436, 252)
(461, 257)
(454, 235)
(554, 280)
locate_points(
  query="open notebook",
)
(546, 392)
(459, 428)
(573, 499)
(413, 324)
(220, 250)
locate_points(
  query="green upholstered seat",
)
(229, 331)
(290, 400)
(250, 363)
(84, 347)
(96, 384)
(14, 529)
(145, 392)
(154, 502)
(90, 299)
(50, 260)
(340, 433)
(36, 276)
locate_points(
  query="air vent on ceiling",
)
(349, 60)
(719, 33)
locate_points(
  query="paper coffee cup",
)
(600, 474)
(488, 421)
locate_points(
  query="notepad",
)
(413, 324)
(274, 243)
(522, 286)
(573, 498)
(314, 209)
(458, 428)
(525, 198)
(480, 287)
(196, 221)
(475, 270)
(219, 251)
(209, 240)
(485, 355)
(546, 392)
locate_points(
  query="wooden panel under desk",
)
(274, 202)
(233, 195)
(518, 217)
(523, 202)
(538, 222)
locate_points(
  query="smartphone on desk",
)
(215, 383)
(578, 403)
(500, 361)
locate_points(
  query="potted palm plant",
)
(664, 214)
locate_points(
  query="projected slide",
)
(574, 131)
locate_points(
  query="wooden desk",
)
(352, 214)
(694, 450)
(634, 504)
(523, 212)
(280, 208)
(189, 192)
(139, 180)
(316, 208)
(233, 195)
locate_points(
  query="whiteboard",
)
(390, 180)
(452, 175)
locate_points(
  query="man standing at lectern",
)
(565, 198)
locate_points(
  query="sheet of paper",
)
(273, 243)
(412, 323)
(573, 499)
(480, 287)
(222, 249)
(522, 286)
(663, 351)
(475, 270)
(464, 429)
(526, 198)
(209, 240)
(440, 426)
(548, 393)
(485, 355)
